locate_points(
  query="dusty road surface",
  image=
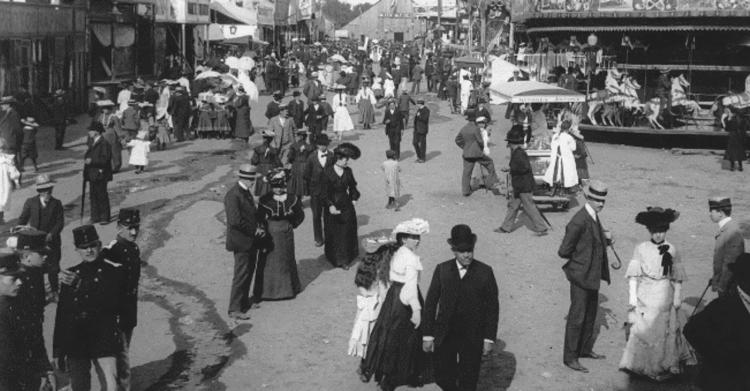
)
(185, 340)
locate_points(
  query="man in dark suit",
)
(316, 163)
(729, 244)
(522, 180)
(243, 229)
(469, 139)
(46, 214)
(125, 252)
(273, 109)
(394, 128)
(97, 171)
(312, 88)
(421, 128)
(404, 100)
(12, 348)
(585, 247)
(465, 326)
(327, 109)
(297, 110)
(179, 108)
(719, 335)
(314, 116)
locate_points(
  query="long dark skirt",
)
(735, 146)
(341, 242)
(279, 267)
(297, 185)
(394, 355)
(262, 187)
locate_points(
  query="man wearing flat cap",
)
(719, 334)
(243, 229)
(11, 333)
(421, 128)
(86, 324)
(728, 246)
(465, 326)
(97, 170)
(35, 363)
(45, 213)
(585, 249)
(125, 252)
(470, 140)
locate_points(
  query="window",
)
(204, 9)
(192, 8)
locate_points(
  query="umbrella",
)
(337, 58)
(229, 79)
(207, 74)
(232, 62)
(246, 63)
(316, 43)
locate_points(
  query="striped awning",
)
(547, 29)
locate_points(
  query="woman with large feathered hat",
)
(339, 194)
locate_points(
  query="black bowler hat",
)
(719, 202)
(10, 263)
(32, 240)
(129, 217)
(462, 239)
(322, 139)
(96, 126)
(85, 236)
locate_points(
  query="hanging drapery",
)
(124, 34)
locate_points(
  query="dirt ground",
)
(184, 339)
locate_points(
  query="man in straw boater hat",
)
(585, 249)
(45, 213)
(86, 323)
(317, 162)
(522, 180)
(719, 335)
(729, 244)
(243, 229)
(465, 327)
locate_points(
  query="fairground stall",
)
(643, 63)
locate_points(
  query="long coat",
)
(585, 248)
(521, 175)
(476, 315)
(10, 127)
(729, 245)
(422, 121)
(297, 112)
(243, 127)
(719, 335)
(394, 124)
(128, 255)
(49, 219)
(100, 168)
(313, 171)
(736, 127)
(469, 139)
(284, 137)
(562, 165)
(86, 323)
(242, 220)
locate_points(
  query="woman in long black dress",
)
(339, 194)
(736, 127)
(298, 153)
(281, 213)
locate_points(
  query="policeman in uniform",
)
(124, 251)
(86, 323)
(11, 345)
(35, 369)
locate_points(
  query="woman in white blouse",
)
(656, 347)
(394, 355)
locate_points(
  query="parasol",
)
(207, 74)
(232, 62)
(246, 63)
(337, 58)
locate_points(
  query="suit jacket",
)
(128, 255)
(49, 219)
(403, 102)
(284, 137)
(470, 140)
(315, 117)
(585, 248)
(312, 90)
(100, 153)
(729, 245)
(10, 127)
(297, 112)
(476, 314)
(242, 222)
(719, 334)
(313, 171)
(422, 121)
(394, 124)
(521, 175)
(179, 106)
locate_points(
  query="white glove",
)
(633, 292)
(677, 301)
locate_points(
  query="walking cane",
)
(83, 193)
(698, 304)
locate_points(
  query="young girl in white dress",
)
(656, 347)
(139, 150)
(342, 122)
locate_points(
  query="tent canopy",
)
(533, 92)
(232, 11)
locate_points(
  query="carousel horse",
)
(603, 99)
(679, 97)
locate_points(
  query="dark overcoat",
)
(128, 255)
(422, 121)
(242, 221)
(100, 168)
(585, 248)
(49, 219)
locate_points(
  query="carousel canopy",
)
(532, 92)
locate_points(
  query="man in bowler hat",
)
(421, 128)
(465, 326)
(11, 334)
(585, 249)
(86, 324)
(243, 228)
(97, 170)
(125, 252)
(394, 127)
(45, 213)
(719, 335)
(317, 162)
(729, 244)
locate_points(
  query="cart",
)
(536, 92)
